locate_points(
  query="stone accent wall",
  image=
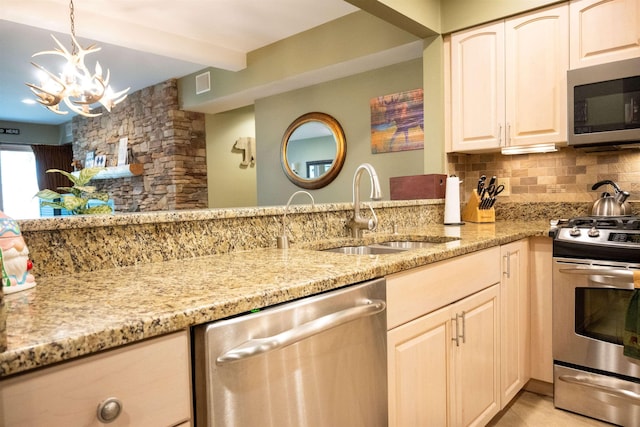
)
(169, 142)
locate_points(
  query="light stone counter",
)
(81, 313)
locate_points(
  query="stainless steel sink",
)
(408, 244)
(365, 250)
(392, 246)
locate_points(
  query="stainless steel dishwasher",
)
(318, 361)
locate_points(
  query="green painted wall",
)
(229, 184)
(459, 14)
(433, 83)
(353, 36)
(347, 100)
(418, 17)
(32, 133)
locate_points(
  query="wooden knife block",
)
(473, 213)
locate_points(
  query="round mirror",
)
(313, 150)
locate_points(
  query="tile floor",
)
(535, 410)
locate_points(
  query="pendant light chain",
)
(74, 48)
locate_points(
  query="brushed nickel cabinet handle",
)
(464, 327)
(456, 337)
(507, 259)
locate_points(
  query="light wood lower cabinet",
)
(151, 380)
(459, 339)
(515, 322)
(443, 367)
(443, 343)
(541, 265)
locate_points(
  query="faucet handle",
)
(373, 222)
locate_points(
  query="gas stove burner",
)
(626, 222)
(614, 238)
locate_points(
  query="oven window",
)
(600, 313)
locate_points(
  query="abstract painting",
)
(397, 122)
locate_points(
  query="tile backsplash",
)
(564, 176)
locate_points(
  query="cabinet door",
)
(604, 31)
(418, 366)
(476, 358)
(514, 305)
(536, 63)
(477, 88)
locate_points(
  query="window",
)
(18, 182)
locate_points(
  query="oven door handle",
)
(584, 381)
(611, 272)
(257, 346)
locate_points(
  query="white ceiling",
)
(162, 39)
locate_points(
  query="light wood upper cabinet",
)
(477, 88)
(508, 82)
(536, 61)
(151, 379)
(604, 31)
(515, 322)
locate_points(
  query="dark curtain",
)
(53, 157)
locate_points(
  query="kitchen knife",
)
(481, 184)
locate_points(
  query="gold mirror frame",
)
(341, 151)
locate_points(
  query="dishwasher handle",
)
(259, 346)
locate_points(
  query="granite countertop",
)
(70, 316)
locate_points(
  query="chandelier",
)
(76, 86)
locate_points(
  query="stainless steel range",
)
(593, 263)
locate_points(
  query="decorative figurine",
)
(15, 257)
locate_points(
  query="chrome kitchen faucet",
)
(283, 240)
(358, 223)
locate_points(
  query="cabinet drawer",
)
(413, 293)
(151, 379)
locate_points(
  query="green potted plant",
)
(75, 199)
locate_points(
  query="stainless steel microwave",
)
(604, 104)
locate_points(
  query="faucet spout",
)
(358, 223)
(283, 240)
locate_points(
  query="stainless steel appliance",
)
(593, 263)
(319, 361)
(611, 205)
(604, 104)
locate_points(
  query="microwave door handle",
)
(611, 272)
(259, 346)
